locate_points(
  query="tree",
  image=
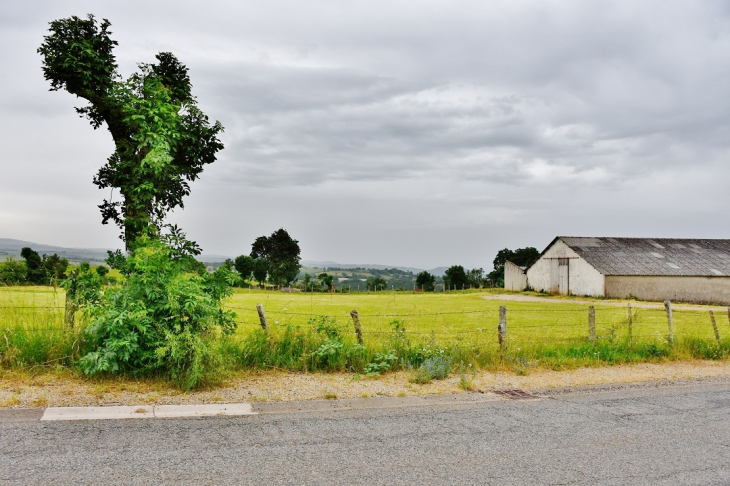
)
(306, 281)
(13, 272)
(281, 254)
(425, 281)
(162, 140)
(455, 277)
(244, 265)
(43, 270)
(35, 270)
(523, 257)
(326, 280)
(376, 283)
(260, 270)
(475, 277)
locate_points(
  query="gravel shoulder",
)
(61, 388)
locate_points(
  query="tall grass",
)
(313, 332)
(32, 331)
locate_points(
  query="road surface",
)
(647, 434)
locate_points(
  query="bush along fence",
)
(517, 337)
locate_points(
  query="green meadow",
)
(314, 331)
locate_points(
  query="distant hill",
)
(11, 247)
(438, 271)
(329, 264)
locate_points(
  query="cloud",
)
(450, 129)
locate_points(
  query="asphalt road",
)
(642, 435)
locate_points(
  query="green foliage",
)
(13, 272)
(260, 270)
(455, 277)
(466, 376)
(523, 257)
(43, 270)
(326, 280)
(281, 254)
(162, 140)
(376, 283)
(244, 265)
(433, 368)
(425, 281)
(162, 319)
(84, 287)
(381, 363)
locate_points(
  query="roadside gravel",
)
(60, 388)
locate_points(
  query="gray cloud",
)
(442, 130)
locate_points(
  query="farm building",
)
(683, 270)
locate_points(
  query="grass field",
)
(455, 315)
(462, 325)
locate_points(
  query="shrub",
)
(162, 318)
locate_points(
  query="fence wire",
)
(541, 325)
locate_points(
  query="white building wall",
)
(582, 279)
(514, 277)
(698, 290)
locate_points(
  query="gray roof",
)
(653, 256)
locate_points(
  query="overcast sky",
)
(419, 133)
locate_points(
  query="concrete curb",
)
(146, 411)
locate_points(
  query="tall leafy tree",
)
(260, 270)
(244, 265)
(326, 280)
(425, 281)
(281, 254)
(455, 276)
(162, 140)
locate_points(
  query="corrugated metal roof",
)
(653, 256)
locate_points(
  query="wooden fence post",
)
(502, 329)
(631, 325)
(70, 311)
(670, 321)
(356, 323)
(262, 317)
(714, 327)
(592, 324)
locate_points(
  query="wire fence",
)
(537, 325)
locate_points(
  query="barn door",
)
(563, 276)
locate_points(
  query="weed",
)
(433, 368)
(381, 363)
(466, 376)
(521, 365)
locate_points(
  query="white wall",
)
(698, 290)
(583, 278)
(514, 277)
